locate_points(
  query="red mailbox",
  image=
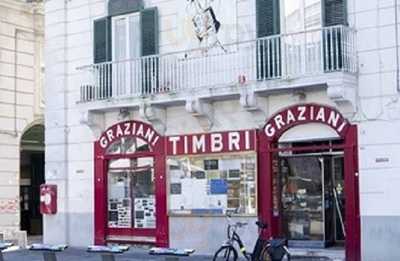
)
(48, 199)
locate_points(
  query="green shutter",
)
(102, 40)
(149, 31)
(150, 65)
(268, 18)
(334, 12)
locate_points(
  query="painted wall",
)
(21, 97)
(70, 143)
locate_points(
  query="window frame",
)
(127, 34)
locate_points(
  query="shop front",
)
(143, 180)
(298, 173)
(308, 158)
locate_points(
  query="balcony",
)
(317, 58)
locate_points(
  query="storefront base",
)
(206, 234)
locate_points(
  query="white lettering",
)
(247, 140)
(110, 135)
(321, 115)
(344, 123)
(312, 113)
(216, 142)
(234, 140)
(185, 145)
(269, 130)
(302, 111)
(155, 140)
(290, 117)
(174, 141)
(103, 142)
(126, 130)
(149, 135)
(119, 131)
(333, 118)
(140, 131)
(279, 121)
(199, 143)
(133, 129)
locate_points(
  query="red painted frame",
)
(267, 146)
(100, 191)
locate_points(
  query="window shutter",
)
(102, 40)
(268, 19)
(149, 31)
(335, 12)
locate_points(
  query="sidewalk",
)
(75, 254)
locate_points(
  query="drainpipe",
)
(396, 18)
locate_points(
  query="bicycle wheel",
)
(226, 253)
(264, 255)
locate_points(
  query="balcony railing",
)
(285, 56)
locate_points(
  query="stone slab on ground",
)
(76, 254)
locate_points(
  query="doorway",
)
(31, 177)
(313, 199)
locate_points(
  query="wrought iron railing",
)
(285, 56)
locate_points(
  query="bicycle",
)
(264, 250)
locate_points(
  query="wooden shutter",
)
(334, 12)
(268, 18)
(149, 31)
(102, 40)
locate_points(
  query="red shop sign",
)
(305, 113)
(217, 142)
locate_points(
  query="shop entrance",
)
(312, 182)
(313, 199)
(130, 186)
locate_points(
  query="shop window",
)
(131, 193)
(207, 185)
(128, 145)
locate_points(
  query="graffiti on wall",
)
(8, 206)
(205, 23)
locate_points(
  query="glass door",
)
(126, 44)
(131, 194)
(312, 199)
(302, 200)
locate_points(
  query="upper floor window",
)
(129, 31)
(300, 15)
(290, 16)
(126, 37)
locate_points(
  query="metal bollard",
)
(49, 256)
(107, 257)
(1, 256)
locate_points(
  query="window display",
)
(131, 200)
(212, 184)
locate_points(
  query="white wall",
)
(21, 97)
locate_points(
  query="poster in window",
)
(211, 164)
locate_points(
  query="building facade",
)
(21, 117)
(164, 116)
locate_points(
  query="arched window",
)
(128, 145)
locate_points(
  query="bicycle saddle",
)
(278, 242)
(262, 225)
